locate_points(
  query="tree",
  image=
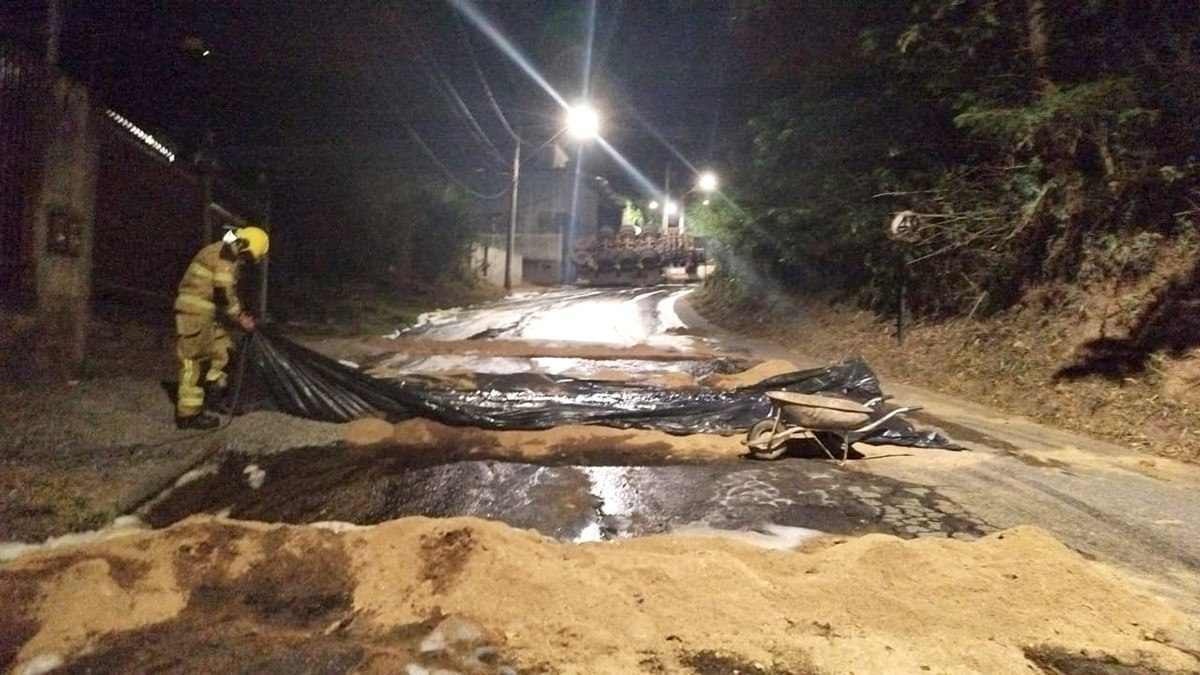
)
(1023, 132)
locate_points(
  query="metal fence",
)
(153, 213)
(534, 246)
(24, 83)
(152, 210)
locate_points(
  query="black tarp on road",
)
(307, 384)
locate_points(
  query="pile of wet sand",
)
(418, 435)
(208, 595)
(377, 347)
(751, 376)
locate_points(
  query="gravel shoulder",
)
(76, 454)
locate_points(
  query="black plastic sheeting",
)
(302, 382)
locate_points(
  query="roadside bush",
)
(1029, 158)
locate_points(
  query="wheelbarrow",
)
(825, 419)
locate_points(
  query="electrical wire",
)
(455, 100)
(446, 170)
(450, 93)
(487, 90)
(433, 156)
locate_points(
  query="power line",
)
(446, 170)
(437, 161)
(450, 93)
(483, 80)
(479, 133)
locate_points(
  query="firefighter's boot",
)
(201, 422)
(214, 397)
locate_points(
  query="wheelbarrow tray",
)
(824, 413)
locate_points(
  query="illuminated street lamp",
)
(707, 183)
(583, 122)
(653, 205)
(671, 208)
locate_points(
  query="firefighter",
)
(206, 304)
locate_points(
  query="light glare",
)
(707, 181)
(583, 122)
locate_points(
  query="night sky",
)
(308, 89)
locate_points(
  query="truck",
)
(627, 258)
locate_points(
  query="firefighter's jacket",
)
(209, 283)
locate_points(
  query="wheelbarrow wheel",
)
(760, 443)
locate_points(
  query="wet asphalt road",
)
(612, 316)
(578, 503)
(1095, 497)
(1112, 503)
(575, 503)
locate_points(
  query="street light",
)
(707, 183)
(582, 123)
(653, 205)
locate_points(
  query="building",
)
(545, 231)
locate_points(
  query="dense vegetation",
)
(397, 231)
(374, 256)
(1039, 142)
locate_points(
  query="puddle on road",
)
(401, 365)
(619, 317)
(616, 502)
(567, 502)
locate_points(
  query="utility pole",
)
(666, 201)
(512, 220)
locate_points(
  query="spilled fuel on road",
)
(607, 469)
(567, 501)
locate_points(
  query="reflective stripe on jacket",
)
(208, 273)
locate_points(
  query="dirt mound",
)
(746, 378)
(209, 594)
(575, 440)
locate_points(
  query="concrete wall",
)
(533, 246)
(542, 272)
(62, 220)
(488, 262)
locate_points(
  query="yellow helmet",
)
(253, 240)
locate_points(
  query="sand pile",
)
(418, 435)
(208, 595)
(375, 347)
(749, 377)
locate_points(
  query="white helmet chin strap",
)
(229, 238)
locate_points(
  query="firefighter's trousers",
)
(198, 339)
